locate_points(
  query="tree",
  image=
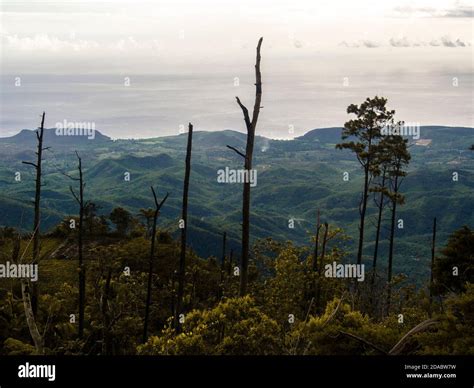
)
(221, 284)
(379, 169)
(122, 220)
(365, 131)
(37, 217)
(184, 228)
(36, 336)
(285, 291)
(30, 299)
(455, 267)
(316, 244)
(82, 271)
(236, 326)
(152, 255)
(433, 249)
(250, 125)
(396, 147)
(320, 267)
(455, 332)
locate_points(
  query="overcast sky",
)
(191, 52)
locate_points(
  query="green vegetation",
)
(135, 295)
(278, 317)
(295, 178)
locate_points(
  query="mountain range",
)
(295, 179)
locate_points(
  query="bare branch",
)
(258, 87)
(163, 201)
(363, 341)
(420, 327)
(74, 195)
(154, 196)
(245, 111)
(158, 205)
(69, 176)
(236, 150)
(31, 164)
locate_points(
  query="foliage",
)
(458, 253)
(235, 326)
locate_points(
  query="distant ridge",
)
(27, 138)
(226, 136)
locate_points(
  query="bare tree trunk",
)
(377, 232)
(106, 345)
(82, 270)
(231, 262)
(37, 216)
(363, 211)
(25, 293)
(433, 248)
(248, 156)
(377, 239)
(391, 245)
(184, 217)
(30, 317)
(221, 284)
(316, 245)
(152, 256)
(313, 291)
(320, 267)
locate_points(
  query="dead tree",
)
(38, 339)
(106, 338)
(221, 284)
(316, 245)
(248, 156)
(320, 267)
(150, 264)
(80, 244)
(433, 248)
(314, 267)
(184, 220)
(231, 261)
(37, 217)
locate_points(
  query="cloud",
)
(370, 44)
(297, 43)
(458, 11)
(450, 43)
(44, 42)
(446, 41)
(403, 42)
(47, 43)
(360, 43)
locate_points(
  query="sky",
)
(146, 68)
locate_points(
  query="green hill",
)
(295, 178)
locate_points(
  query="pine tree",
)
(362, 135)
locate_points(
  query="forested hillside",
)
(295, 178)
